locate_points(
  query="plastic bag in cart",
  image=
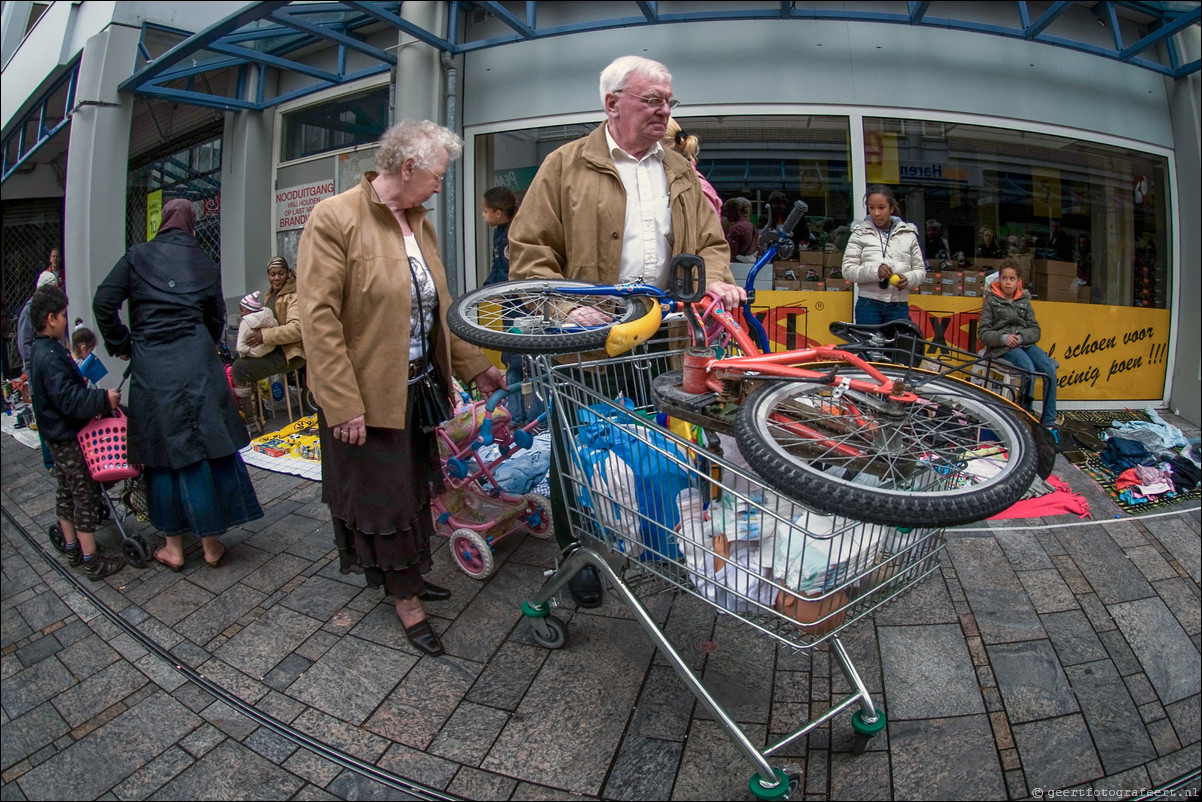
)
(658, 470)
(729, 572)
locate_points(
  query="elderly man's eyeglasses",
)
(654, 101)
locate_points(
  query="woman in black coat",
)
(183, 426)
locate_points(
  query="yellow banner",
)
(1126, 362)
(880, 156)
(154, 213)
(1045, 192)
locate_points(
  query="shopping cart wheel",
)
(787, 784)
(865, 729)
(134, 552)
(546, 527)
(472, 553)
(56, 537)
(549, 632)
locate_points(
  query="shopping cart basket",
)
(673, 516)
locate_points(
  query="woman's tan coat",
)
(287, 335)
(353, 284)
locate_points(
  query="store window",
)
(1050, 200)
(182, 170)
(344, 122)
(770, 160)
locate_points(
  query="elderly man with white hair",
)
(615, 206)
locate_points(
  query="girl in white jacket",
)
(884, 259)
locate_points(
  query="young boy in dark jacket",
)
(63, 404)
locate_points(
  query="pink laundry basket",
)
(103, 442)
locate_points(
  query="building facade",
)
(1067, 134)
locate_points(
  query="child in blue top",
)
(499, 207)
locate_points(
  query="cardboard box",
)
(952, 289)
(931, 290)
(834, 271)
(932, 279)
(810, 258)
(973, 277)
(832, 260)
(951, 277)
(1057, 284)
(812, 286)
(785, 285)
(986, 265)
(1084, 294)
(838, 285)
(976, 292)
(1052, 267)
(815, 615)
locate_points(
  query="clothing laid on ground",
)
(184, 428)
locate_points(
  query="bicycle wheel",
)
(880, 461)
(531, 316)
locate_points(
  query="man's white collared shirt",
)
(647, 237)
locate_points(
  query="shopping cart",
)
(475, 510)
(703, 526)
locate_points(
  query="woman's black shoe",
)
(423, 636)
(585, 587)
(434, 592)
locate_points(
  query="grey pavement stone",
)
(311, 767)
(1175, 765)
(27, 734)
(281, 707)
(1181, 539)
(942, 759)
(13, 627)
(352, 679)
(212, 618)
(319, 597)
(145, 781)
(38, 650)
(191, 696)
(315, 545)
(228, 720)
(1111, 716)
(690, 624)
(202, 740)
(1048, 591)
(351, 785)
(927, 602)
(231, 771)
(161, 673)
(644, 768)
(1164, 737)
(260, 646)
(568, 748)
(738, 673)
(471, 783)
(861, 777)
(1149, 562)
(287, 672)
(25, 690)
(127, 647)
(232, 680)
(860, 643)
(312, 792)
(1185, 718)
(1140, 688)
(98, 692)
(1109, 570)
(504, 679)
(481, 629)
(1031, 680)
(417, 765)
(276, 572)
(1180, 598)
(267, 743)
(1161, 646)
(1057, 753)
(72, 633)
(664, 707)
(177, 601)
(1073, 638)
(1116, 646)
(239, 561)
(1022, 548)
(928, 672)
(317, 645)
(711, 767)
(113, 752)
(1128, 781)
(414, 712)
(43, 610)
(347, 737)
(469, 733)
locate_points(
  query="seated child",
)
(83, 343)
(254, 316)
(1008, 330)
(64, 404)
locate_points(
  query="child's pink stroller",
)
(474, 511)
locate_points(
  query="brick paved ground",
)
(1043, 656)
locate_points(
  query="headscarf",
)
(178, 213)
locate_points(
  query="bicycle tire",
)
(529, 316)
(916, 451)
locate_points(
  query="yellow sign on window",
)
(1045, 192)
(880, 155)
(154, 213)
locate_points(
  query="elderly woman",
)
(373, 306)
(289, 354)
(183, 427)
